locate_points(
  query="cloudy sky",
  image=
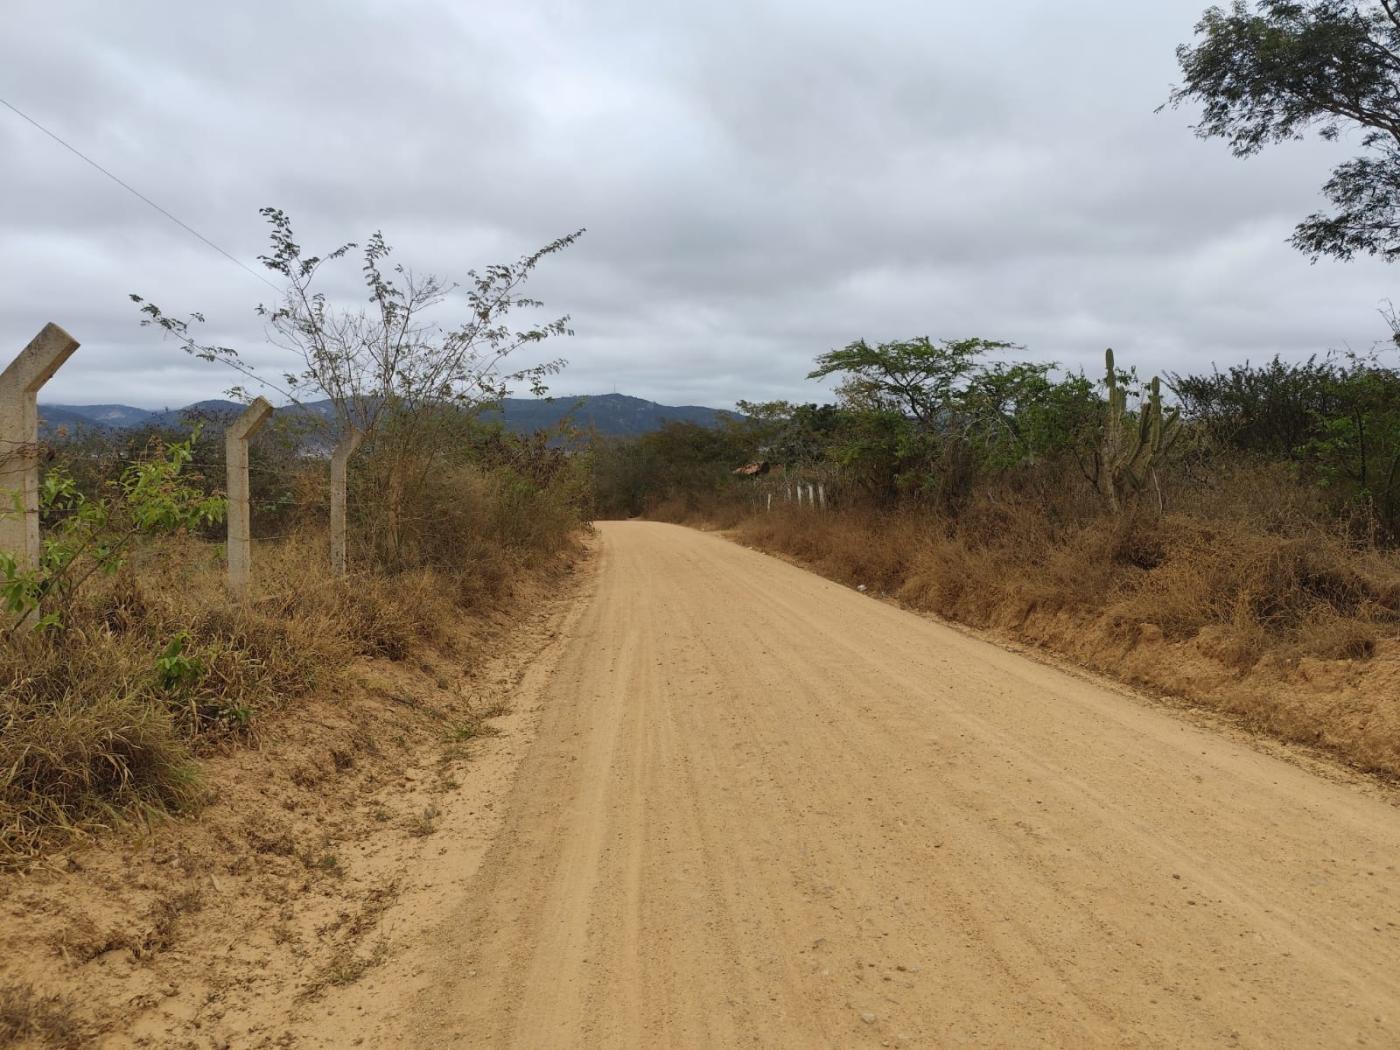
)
(761, 181)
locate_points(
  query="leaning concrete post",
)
(240, 534)
(340, 460)
(19, 440)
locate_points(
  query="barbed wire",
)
(112, 460)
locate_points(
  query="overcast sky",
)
(761, 182)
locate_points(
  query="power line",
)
(137, 193)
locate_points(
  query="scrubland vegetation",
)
(153, 664)
(125, 657)
(1230, 536)
(1212, 534)
(1236, 535)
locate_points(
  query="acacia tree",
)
(391, 367)
(928, 417)
(916, 376)
(1273, 71)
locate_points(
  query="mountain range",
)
(612, 415)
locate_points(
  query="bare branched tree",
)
(389, 367)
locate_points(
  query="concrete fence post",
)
(19, 440)
(240, 535)
(770, 503)
(340, 460)
(821, 496)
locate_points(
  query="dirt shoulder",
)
(232, 928)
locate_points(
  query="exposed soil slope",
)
(277, 905)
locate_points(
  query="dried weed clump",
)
(1258, 595)
(106, 717)
(30, 1018)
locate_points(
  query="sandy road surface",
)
(764, 810)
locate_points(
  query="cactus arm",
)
(1128, 454)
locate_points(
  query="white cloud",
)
(761, 182)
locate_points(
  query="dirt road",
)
(765, 810)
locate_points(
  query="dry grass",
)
(28, 1018)
(93, 731)
(1266, 615)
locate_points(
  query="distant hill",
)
(125, 417)
(612, 415)
(112, 416)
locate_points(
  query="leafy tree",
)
(916, 376)
(1272, 410)
(684, 462)
(788, 434)
(902, 401)
(1337, 419)
(1356, 447)
(925, 419)
(1020, 413)
(883, 454)
(1275, 70)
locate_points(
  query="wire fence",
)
(278, 506)
(277, 484)
(817, 491)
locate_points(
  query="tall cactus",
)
(1130, 450)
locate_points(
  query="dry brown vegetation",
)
(96, 729)
(309, 725)
(1237, 600)
(31, 1018)
(322, 816)
(1231, 537)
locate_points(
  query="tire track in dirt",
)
(764, 810)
